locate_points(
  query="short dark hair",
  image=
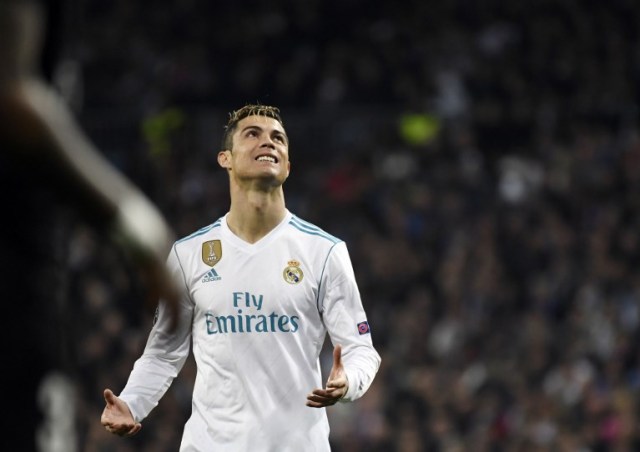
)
(248, 110)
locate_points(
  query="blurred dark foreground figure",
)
(51, 173)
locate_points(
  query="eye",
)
(279, 138)
(252, 133)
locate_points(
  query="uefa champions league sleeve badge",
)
(363, 328)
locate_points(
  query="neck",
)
(253, 214)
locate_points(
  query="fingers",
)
(109, 397)
(320, 398)
(123, 430)
(336, 376)
(136, 428)
(326, 397)
(337, 384)
(317, 403)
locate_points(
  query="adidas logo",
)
(211, 275)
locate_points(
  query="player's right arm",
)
(164, 355)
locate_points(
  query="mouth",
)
(266, 158)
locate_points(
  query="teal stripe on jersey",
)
(311, 229)
(324, 266)
(202, 231)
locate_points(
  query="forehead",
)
(264, 122)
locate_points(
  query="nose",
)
(267, 142)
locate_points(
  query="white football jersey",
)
(257, 316)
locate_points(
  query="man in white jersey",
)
(262, 288)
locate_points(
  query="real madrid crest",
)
(292, 272)
(211, 252)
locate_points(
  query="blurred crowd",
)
(480, 158)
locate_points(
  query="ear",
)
(224, 159)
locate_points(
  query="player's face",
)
(260, 151)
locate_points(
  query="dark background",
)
(480, 158)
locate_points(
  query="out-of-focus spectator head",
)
(21, 23)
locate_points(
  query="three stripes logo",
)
(211, 275)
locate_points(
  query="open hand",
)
(337, 384)
(116, 416)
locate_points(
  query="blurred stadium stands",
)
(480, 158)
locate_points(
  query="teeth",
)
(266, 158)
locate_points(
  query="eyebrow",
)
(276, 131)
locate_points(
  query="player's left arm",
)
(355, 360)
(337, 384)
